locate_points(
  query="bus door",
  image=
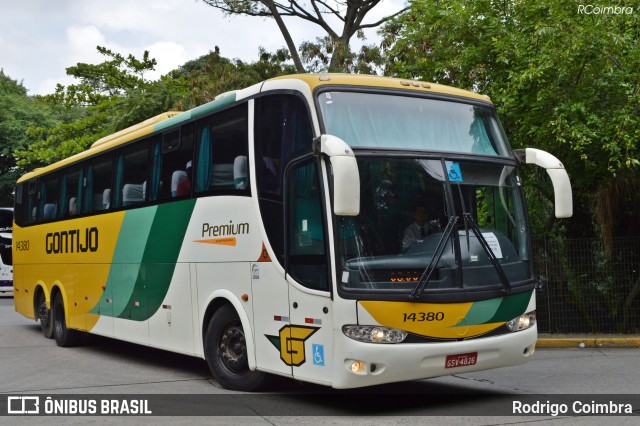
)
(270, 316)
(311, 327)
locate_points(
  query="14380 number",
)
(423, 316)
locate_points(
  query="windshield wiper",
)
(437, 254)
(470, 223)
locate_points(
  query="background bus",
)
(6, 264)
(264, 232)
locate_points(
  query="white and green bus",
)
(267, 232)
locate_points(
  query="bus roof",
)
(314, 81)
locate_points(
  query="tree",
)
(114, 95)
(319, 54)
(18, 112)
(349, 13)
(212, 74)
(110, 96)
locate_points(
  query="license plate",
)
(461, 360)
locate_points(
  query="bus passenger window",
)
(131, 176)
(171, 156)
(97, 192)
(70, 190)
(223, 151)
(48, 198)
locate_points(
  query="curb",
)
(588, 342)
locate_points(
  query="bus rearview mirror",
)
(563, 198)
(346, 177)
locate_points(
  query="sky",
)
(39, 39)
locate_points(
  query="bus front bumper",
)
(361, 364)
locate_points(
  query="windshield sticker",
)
(454, 172)
(494, 244)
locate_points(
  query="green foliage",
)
(114, 95)
(9, 86)
(113, 77)
(210, 75)
(562, 81)
(18, 113)
(110, 96)
(318, 56)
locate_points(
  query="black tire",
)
(43, 315)
(225, 349)
(64, 337)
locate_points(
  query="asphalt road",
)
(31, 364)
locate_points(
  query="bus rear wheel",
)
(44, 316)
(225, 349)
(64, 336)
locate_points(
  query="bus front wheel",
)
(225, 349)
(64, 336)
(44, 316)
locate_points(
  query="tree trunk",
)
(340, 56)
(285, 33)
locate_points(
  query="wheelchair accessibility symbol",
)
(454, 172)
(318, 354)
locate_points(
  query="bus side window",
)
(97, 185)
(131, 176)
(48, 198)
(70, 188)
(223, 151)
(170, 156)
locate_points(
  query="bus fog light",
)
(522, 322)
(374, 334)
(357, 366)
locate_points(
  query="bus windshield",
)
(5, 249)
(434, 224)
(384, 121)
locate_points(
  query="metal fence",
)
(587, 290)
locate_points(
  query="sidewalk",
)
(588, 341)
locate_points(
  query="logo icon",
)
(23, 405)
(290, 343)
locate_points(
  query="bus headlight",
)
(374, 333)
(522, 322)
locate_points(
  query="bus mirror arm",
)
(556, 171)
(346, 177)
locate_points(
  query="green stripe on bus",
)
(213, 106)
(196, 112)
(512, 307)
(125, 264)
(501, 309)
(159, 260)
(481, 312)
